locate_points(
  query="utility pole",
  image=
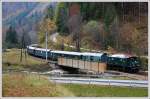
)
(122, 11)
(139, 12)
(22, 46)
(46, 45)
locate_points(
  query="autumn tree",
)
(92, 31)
(114, 34)
(75, 23)
(131, 39)
(108, 25)
(47, 25)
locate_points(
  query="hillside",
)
(23, 16)
(116, 27)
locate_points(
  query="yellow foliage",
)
(111, 50)
(47, 25)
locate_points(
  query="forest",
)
(115, 27)
(119, 27)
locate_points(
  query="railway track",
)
(129, 83)
(134, 76)
(95, 81)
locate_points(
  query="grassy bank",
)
(105, 91)
(30, 85)
(11, 60)
(18, 84)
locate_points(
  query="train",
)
(119, 62)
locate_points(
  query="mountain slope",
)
(23, 16)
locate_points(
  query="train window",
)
(70, 56)
(112, 59)
(67, 56)
(96, 59)
(81, 57)
(62, 55)
(84, 58)
(91, 58)
(76, 57)
(99, 59)
(88, 57)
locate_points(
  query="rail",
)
(97, 81)
(128, 83)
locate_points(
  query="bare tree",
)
(62, 45)
(115, 33)
(25, 40)
(122, 5)
(139, 12)
(74, 25)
